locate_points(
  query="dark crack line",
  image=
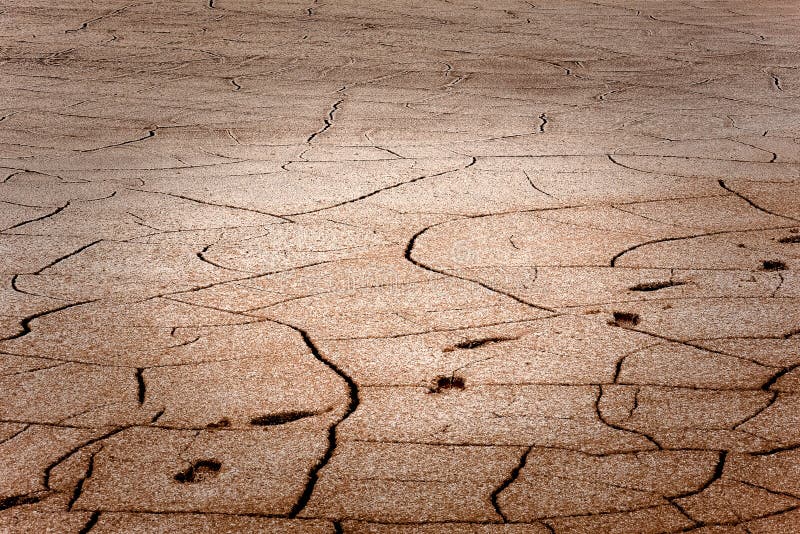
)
(141, 389)
(61, 361)
(67, 455)
(768, 490)
(421, 524)
(157, 416)
(13, 174)
(613, 262)
(777, 450)
(101, 17)
(601, 417)
(233, 280)
(150, 133)
(25, 205)
(544, 121)
(15, 434)
(615, 162)
(19, 500)
(577, 478)
(681, 510)
(90, 524)
(352, 405)
(605, 513)
(753, 204)
(777, 376)
(773, 396)
(381, 190)
(201, 256)
(207, 203)
(18, 289)
(112, 195)
(652, 219)
(76, 494)
(327, 122)
(435, 330)
(621, 360)
(719, 468)
(45, 216)
(67, 256)
(533, 185)
(577, 384)
(694, 343)
(409, 256)
(392, 152)
(577, 449)
(512, 477)
(26, 322)
(36, 370)
(690, 158)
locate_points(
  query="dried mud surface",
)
(518, 267)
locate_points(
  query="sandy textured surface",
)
(402, 267)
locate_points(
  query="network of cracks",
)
(422, 267)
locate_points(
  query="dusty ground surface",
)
(483, 266)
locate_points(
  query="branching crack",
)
(349, 408)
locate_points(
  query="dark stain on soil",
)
(447, 382)
(773, 265)
(625, 319)
(280, 418)
(655, 286)
(476, 343)
(200, 470)
(222, 423)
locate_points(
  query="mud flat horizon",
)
(447, 266)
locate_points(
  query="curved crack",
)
(753, 204)
(45, 216)
(26, 322)
(351, 406)
(409, 256)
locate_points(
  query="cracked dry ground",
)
(425, 267)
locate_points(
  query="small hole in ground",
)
(200, 470)
(222, 423)
(447, 382)
(625, 319)
(280, 418)
(773, 265)
(476, 343)
(790, 239)
(654, 286)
